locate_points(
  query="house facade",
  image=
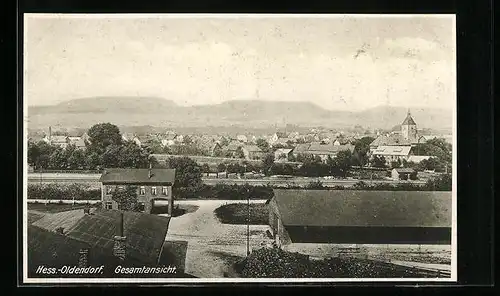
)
(252, 152)
(282, 154)
(151, 185)
(403, 174)
(323, 151)
(393, 153)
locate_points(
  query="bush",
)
(224, 191)
(63, 192)
(315, 185)
(276, 263)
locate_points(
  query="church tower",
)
(409, 129)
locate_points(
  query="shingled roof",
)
(138, 176)
(364, 208)
(145, 233)
(390, 140)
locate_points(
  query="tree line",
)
(105, 148)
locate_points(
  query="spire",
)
(408, 120)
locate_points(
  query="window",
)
(109, 189)
(141, 207)
(142, 190)
(153, 190)
(164, 190)
(120, 187)
(109, 205)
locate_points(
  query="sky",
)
(339, 62)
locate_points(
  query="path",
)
(212, 246)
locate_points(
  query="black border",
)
(475, 108)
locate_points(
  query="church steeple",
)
(409, 128)
(408, 120)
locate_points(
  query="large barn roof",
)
(364, 208)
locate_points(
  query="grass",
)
(33, 217)
(56, 207)
(237, 213)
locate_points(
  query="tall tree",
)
(263, 145)
(343, 161)
(267, 163)
(362, 149)
(132, 156)
(187, 172)
(103, 135)
(239, 153)
(126, 198)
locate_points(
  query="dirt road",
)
(212, 246)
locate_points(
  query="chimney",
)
(83, 260)
(119, 248)
(150, 173)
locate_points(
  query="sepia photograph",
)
(207, 148)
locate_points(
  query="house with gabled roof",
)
(252, 152)
(282, 154)
(324, 151)
(150, 184)
(392, 153)
(98, 238)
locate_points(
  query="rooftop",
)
(364, 208)
(392, 150)
(252, 148)
(408, 120)
(138, 176)
(145, 233)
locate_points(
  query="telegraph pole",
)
(248, 222)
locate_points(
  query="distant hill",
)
(158, 112)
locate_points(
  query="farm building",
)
(252, 152)
(103, 237)
(403, 174)
(360, 217)
(151, 185)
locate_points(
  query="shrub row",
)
(224, 191)
(63, 192)
(277, 263)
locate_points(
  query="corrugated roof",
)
(137, 176)
(392, 150)
(364, 208)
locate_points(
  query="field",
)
(237, 213)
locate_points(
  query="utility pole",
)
(248, 222)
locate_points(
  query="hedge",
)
(277, 263)
(63, 192)
(224, 191)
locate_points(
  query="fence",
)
(67, 171)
